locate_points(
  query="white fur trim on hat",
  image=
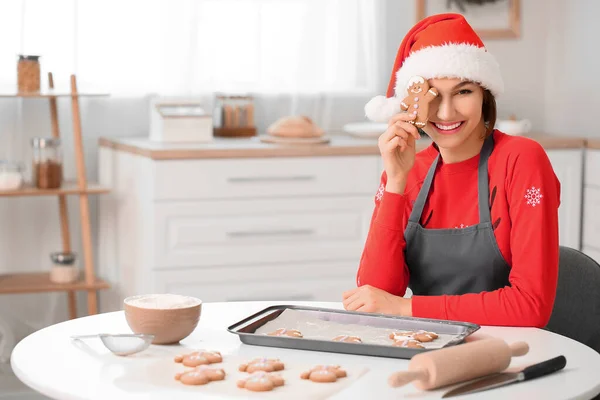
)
(464, 61)
(381, 108)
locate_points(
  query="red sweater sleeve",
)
(382, 262)
(533, 194)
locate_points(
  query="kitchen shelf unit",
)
(38, 282)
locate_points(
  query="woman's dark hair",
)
(489, 111)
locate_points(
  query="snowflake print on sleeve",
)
(379, 193)
(533, 196)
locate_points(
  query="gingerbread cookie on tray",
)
(286, 332)
(262, 364)
(261, 381)
(201, 375)
(197, 358)
(409, 343)
(346, 338)
(324, 373)
(420, 335)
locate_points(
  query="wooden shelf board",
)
(37, 282)
(68, 188)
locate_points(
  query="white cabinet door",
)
(294, 282)
(591, 223)
(568, 166)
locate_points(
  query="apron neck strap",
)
(482, 185)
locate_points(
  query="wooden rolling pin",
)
(460, 363)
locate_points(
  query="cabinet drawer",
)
(256, 178)
(592, 167)
(296, 282)
(593, 253)
(260, 231)
(591, 220)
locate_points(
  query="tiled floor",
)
(11, 388)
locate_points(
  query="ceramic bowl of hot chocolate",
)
(169, 317)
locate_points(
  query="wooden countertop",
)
(593, 143)
(340, 145)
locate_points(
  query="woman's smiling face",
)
(455, 115)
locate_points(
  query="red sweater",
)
(525, 215)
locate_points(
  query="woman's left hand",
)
(371, 299)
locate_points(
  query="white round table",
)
(51, 363)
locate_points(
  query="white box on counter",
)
(181, 121)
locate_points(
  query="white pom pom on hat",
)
(439, 46)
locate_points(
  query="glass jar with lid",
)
(11, 175)
(28, 73)
(47, 163)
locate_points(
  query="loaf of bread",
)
(295, 127)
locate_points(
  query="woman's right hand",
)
(397, 147)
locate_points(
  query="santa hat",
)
(439, 46)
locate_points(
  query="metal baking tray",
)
(247, 327)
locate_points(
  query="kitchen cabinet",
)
(287, 228)
(568, 167)
(591, 205)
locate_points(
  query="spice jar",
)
(28, 73)
(63, 269)
(11, 175)
(47, 163)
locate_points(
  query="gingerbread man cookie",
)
(421, 336)
(261, 381)
(346, 338)
(262, 364)
(418, 99)
(199, 358)
(324, 373)
(201, 375)
(410, 343)
(286, 332)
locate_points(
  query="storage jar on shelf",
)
(47, 163)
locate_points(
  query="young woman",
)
(470, 224)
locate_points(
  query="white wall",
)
(572, 99)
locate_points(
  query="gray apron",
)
(455, 261)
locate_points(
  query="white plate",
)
(365, 129)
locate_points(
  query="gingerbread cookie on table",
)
(418, 99)
(262, 364)
(346, 338)
(197, 358)
(261, 381)
(201, 375)
(286, 332)
(324, 373)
